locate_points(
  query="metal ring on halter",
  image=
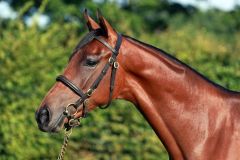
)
(86, 102)
(111, 60)
(74, 122)
(89, 92)
(69, 105)
(116, 64)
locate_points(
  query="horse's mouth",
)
(55, 126)
(56, 129)
(58, 124)
(51, 129)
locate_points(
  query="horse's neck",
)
(177, 102)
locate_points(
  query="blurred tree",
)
(156, 13)
(30, 58)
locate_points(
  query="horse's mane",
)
(174, 59)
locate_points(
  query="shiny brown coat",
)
(194, 118)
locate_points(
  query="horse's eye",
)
(91, 62)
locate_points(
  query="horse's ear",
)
(91, 24)
(107, 28)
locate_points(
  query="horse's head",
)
(84, 83)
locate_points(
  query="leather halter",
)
(112, 62)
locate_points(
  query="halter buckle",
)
(90, 92)
(111, 60)
(116, 64)
(66, 111)
(86, 102)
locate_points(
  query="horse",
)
(194, 118)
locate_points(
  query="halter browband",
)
(111, 62)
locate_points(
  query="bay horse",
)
(194, 118)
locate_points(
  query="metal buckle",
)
(66, 112)
(90, 92)
(111, 60)
(116, 64)
(74, 122)
(86, 102)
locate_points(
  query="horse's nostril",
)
(43, 116)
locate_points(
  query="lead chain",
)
(64, 145)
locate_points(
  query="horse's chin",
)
(56, 128)
(51, 129)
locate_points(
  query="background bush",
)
(31, 57)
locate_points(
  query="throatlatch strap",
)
(114, 71)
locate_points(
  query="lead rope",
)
(64, 145)
(72, 123)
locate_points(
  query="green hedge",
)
(30, 59)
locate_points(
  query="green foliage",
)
(30, 59)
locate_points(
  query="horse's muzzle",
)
(43, 117)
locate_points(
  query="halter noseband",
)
(112, 62)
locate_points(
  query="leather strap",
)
(114, 70)
(112, 82)
(70, 85)
(111, 63)
(86, 39)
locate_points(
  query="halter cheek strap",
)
(112, 62)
